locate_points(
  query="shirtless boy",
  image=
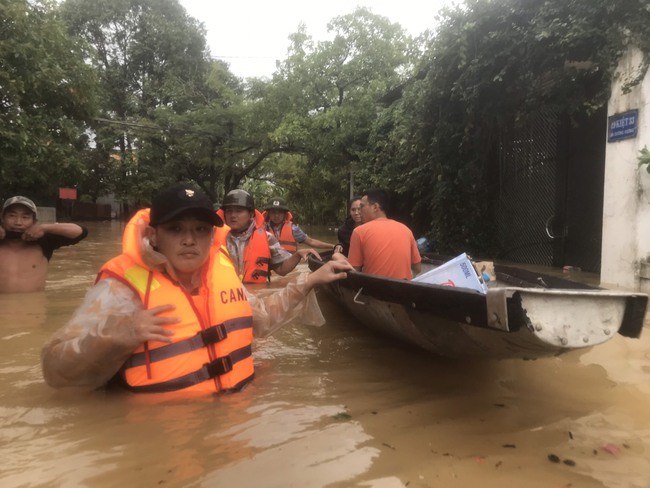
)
(26, 245)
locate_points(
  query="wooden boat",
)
(524, 314)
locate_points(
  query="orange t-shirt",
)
(384, 247)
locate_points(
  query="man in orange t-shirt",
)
(382, 246)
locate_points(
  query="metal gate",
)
(551, 174)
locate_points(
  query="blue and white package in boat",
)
(458, 272)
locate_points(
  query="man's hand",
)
(337, 256)
(304, 254)
(333, 270)
(33, 232)
(289, 265)
(147, 326)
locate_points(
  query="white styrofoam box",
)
(457, 272)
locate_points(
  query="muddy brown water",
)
(331, 406)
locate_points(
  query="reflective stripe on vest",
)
(211, 335)
(213, 369)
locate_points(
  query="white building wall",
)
(46, 215)
(110, 200)
(626, 205)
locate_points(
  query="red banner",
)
(68, 193)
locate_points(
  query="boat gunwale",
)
(500, 309)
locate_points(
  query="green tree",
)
(196, 144)
(46, 97)
(150, 55)
(331, 91)
(491, 65)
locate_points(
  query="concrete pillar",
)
(46, 215)
(626, 206)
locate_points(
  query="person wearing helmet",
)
(254, 250)
(279, 222)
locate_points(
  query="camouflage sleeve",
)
(92, 346)
(278, 253)
(298, 234)
(291, 303)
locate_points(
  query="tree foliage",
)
(46, 97)
(492, 64)
(149, 56)
(331, 90)
(369, 105)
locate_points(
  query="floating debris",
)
(553, 458)
(612, 449)
(342, 416)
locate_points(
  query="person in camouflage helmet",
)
(279, 222)
(254, 250)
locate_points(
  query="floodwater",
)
(331, 406)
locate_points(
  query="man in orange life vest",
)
(279, 221)
(170, 313)
(254, 250)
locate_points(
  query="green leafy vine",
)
(644, 158)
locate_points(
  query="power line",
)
(242, 57)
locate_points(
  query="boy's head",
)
(18, 213)
(21, 201)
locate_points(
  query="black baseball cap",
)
(178, 198)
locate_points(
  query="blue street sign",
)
(623, 126)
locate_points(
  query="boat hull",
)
(507, 322)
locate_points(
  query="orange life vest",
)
(285, 236)
(211, 348)
(257, 254)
